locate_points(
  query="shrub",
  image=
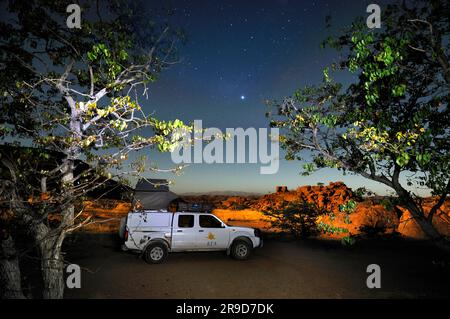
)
(297, 217)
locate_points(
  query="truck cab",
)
(156, 233)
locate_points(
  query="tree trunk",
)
(10, 280)
(426, 226)
(50, 241)
(424, 223)
(67, 180)
(52, 269)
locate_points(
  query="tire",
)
(122, 227)
(156, 253)
(240, 249)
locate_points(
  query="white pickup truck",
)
(155, 234)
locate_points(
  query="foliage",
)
(393, 118)
(330, 229)
(70, 97)
(296, 217)
(360, 192)
(76, 90)
(348, 240)
(347, 209)
(303, 219)
(389, 203)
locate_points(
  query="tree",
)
(304, 219)
(72, 96)
(299, 218)
(391, 124)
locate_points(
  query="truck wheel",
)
(240, 250)
(155, 253)
(122, 227)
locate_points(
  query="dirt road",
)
(306, 269)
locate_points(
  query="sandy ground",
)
(281, 269)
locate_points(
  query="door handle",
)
(179, 231)
(201, 231)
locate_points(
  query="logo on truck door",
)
(211, 237)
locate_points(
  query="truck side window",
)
(209, 222)
(186, 221)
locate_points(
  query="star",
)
(242, 97)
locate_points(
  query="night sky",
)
(239, 54)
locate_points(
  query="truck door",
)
(184, 234)
(212, 233)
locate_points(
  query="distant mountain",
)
(222, 193)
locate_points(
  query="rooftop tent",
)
(153, 194)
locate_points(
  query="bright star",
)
(242, 97)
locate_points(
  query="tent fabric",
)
(153, 200)
(153, 194)
(152, 185)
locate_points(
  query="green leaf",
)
(402, 160)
